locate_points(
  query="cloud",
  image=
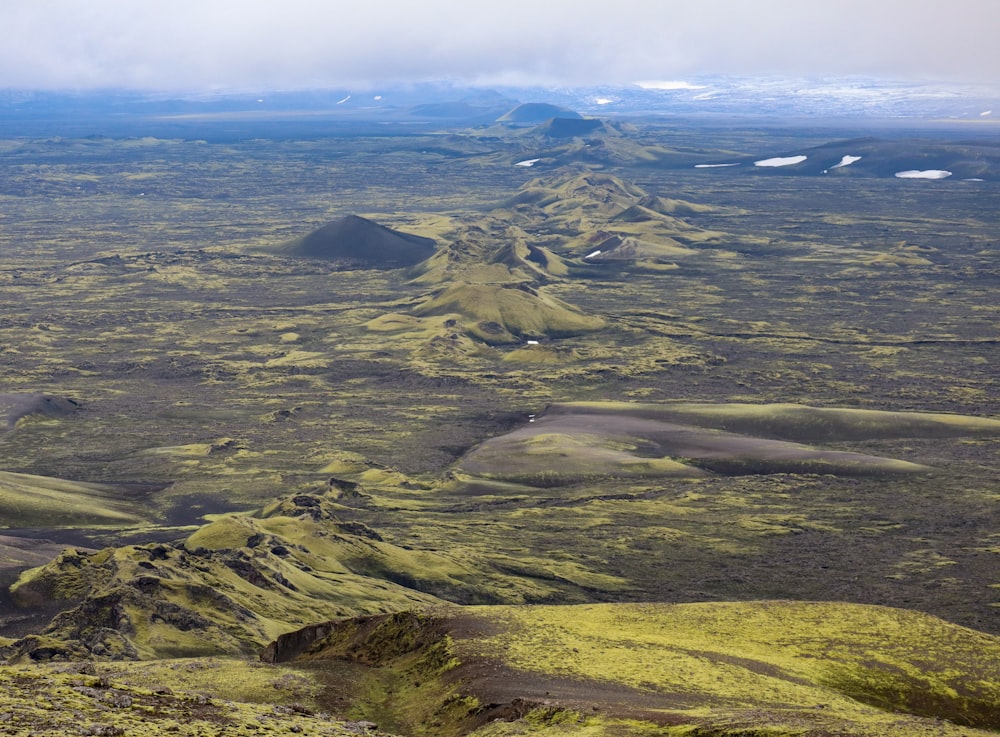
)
(263, 44)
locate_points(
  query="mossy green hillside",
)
(601, 217)
(824, 292)
(27, 500)
(760, 654)
(491, 251)
(719, 668)
(499, 314)
(240, 581)
(191, 698)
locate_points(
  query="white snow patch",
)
(531, 342)
(377, 97)
(846, 161)
(664, 84)
(974, 179)
(985, 113)
(595, 253)
(781, 161)
(603, 101)
(925, 174)
(527, 162)
(341, 102)
(712, 166)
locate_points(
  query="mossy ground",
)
(184, 697)
(211, 381)
(719, 668)
(37, 501)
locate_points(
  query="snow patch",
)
(781, 161)
(594, 253)
(531, 342)
(663, 84)
(527, 162)
(846, 161)
(925, 174)
(712, 166)
(341, 102)
(603, 101)
(985, 113)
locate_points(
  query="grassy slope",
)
(37, 501)
(730, 667)
(240, 581)
(497, 314)
(184, 697)
(767, 655)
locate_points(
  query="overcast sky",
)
(287, 44)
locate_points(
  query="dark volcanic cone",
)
(560, 127)
(536, 112)
(361, 242)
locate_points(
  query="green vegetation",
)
(497, 314)
(766, 403)
(695, 668)
(182, 697)
(37, 501)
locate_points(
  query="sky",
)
(213, 45)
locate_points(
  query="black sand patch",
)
(569, 444)
(15, 407)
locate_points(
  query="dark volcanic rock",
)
(360, 242)
(14, 407)
(533, 113)
(571, 127)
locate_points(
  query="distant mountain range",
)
(434, 103)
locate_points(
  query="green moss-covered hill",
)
(188, 698)
(239, 582)
(28, 501)
(584, 212)
(663, 441)
(500, 313)
(772, 667)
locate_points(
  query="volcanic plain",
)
(557, 428)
